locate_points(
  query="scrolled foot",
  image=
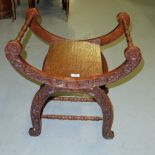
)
(34, 132)
(108, 135)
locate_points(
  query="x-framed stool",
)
(73, 66)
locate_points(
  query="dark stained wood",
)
(31, 3)
(18, 2)
(73, 59)
(66, 56)
(7, 9)
(65, 6)
(73, 117)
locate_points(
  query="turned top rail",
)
(32, 17)
(122, 18)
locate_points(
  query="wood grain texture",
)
(73, 58)
(66, 57)
(102, 40)
(99, 96)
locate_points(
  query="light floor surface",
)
(133, 98)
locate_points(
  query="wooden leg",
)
(103, 100)
(36, 109)
(18, 2)
(13, 9)
(46, 92)
(65, 6)
(31, 3)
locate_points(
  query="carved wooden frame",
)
(94, 86)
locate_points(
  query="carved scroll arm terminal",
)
(13, 51)
(132, 54)
(133, 58)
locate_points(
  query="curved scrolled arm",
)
(38, 30)
(102, 40)
(133, 58)
(116, 32)
(13, 50)
(132, 54)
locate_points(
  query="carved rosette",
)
(132, 53)
(12, 50)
